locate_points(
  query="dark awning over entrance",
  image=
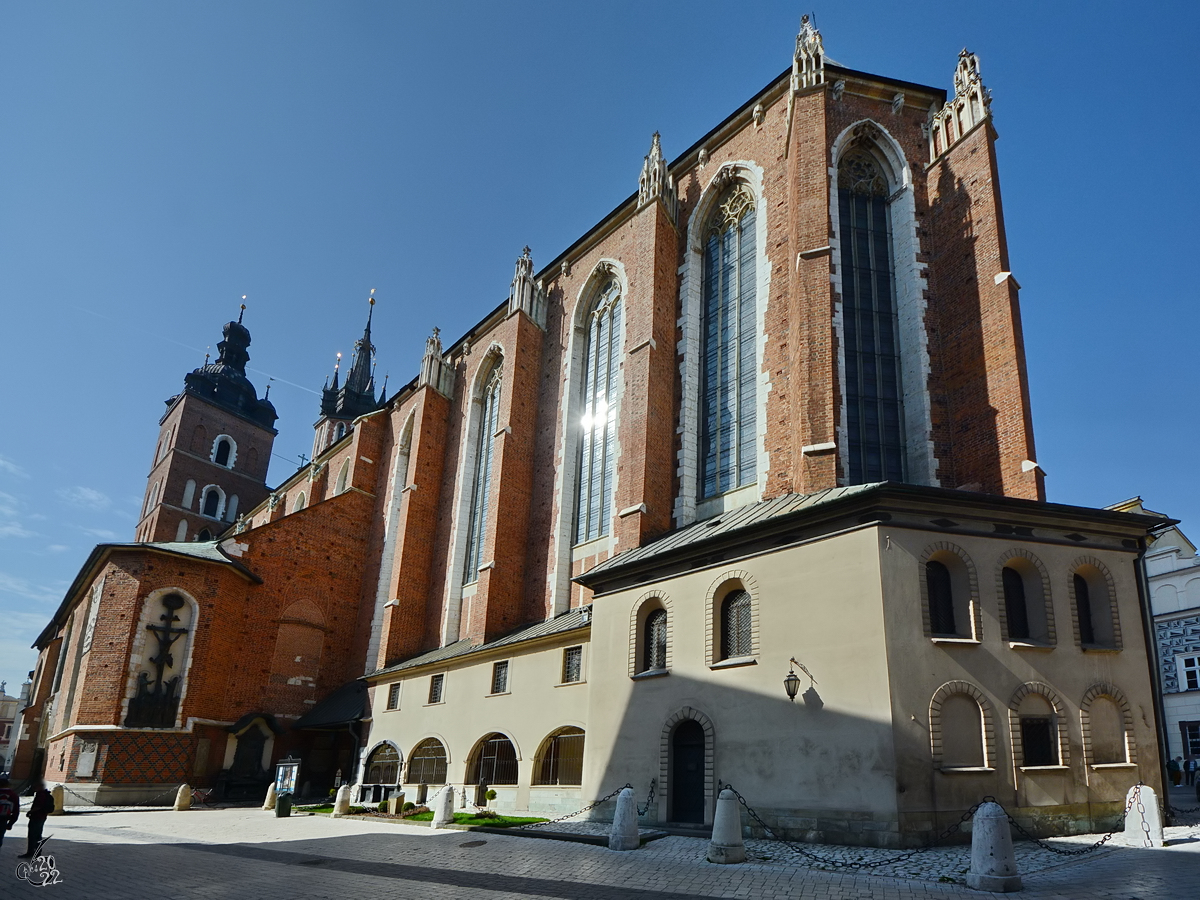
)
(347, 704)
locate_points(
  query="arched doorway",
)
(687, 772)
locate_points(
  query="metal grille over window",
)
(941, 599)
(735, 625)
(436, 684)
(489, 420)
(560, 761)
(500, 678)
(393, 701)
(384, 766)
(728, 361)
(1037, 740)
(874, 405)
(493, 762)
(655, 650)
(427, 764)
(572, 665)
(599, 421)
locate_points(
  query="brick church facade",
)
(780, 389)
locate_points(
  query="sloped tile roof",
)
(721, 526)
(568, 621)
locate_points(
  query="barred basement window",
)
(489, 419)
(654, 654)
(427, 764)
(572, 669)
(874, 400)
(500, 678)
(735, 625)
(728, 360)
(393, 701)
(599, 422)
(436, 684)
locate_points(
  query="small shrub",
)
(408, 805)
(487, 814)
(383, 806)
(332, 793)
(491, 795)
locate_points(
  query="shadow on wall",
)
(968, 433)
(803, 766)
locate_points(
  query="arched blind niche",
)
(874, 399)
(728, 363)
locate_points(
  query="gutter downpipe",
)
(1143, 585)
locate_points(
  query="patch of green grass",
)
(314, 809)
(472, 819)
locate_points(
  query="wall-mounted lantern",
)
(791, 681)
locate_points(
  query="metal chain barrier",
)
(940, 838)
(854, 863)
(150, 802)
(1080, 851)
(577, 812)
(643, 810)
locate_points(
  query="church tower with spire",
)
(342, 403)
(214, 446)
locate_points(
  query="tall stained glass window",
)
(874, 401)
(599, 421)
(485, 443)
(728, 363)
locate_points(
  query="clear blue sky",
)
(161, 160)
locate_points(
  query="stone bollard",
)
(341, 804)
(726, 845)
(269, 802)
(60, 803)
(1143, 829)
(624, 834)
(183, 798)
(993, 866)
(443, 813)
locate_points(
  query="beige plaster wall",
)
(536, 705)
(920, 666)
(820, 603)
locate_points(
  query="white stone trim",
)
(910, 285)
(567, 478)
(393, 497)
(691, 301)
(220, 513)
(233, 450)
(139, 655)
(452, 616)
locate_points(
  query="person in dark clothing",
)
(42, 806)
(10, 807)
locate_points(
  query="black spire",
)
(224, 382)
(357, 397)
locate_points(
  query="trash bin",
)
(283, 805)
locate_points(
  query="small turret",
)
(342, 404)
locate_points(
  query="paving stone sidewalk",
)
(247, 853)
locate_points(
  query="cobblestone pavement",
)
(247, 853)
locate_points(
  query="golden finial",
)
(243, 312)
(372, 296)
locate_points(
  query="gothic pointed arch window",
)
(873, 394)
(481, 485)
(728, 351)
(598, 423)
